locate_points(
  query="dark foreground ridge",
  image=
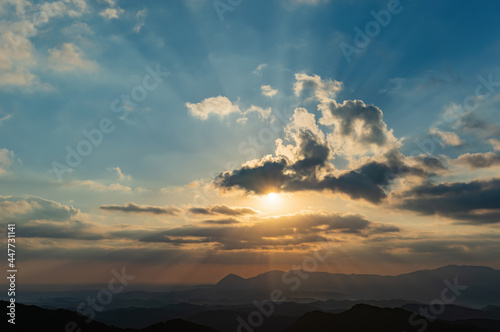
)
(359, 318)
(362, 318)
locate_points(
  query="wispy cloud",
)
(268, 91)
(134, 208)
(70, 58)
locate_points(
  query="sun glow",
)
(272, 202)
(272, 197)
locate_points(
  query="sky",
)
(186, 140)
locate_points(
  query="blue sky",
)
(269, 68)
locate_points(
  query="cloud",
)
(448, 138)
(259, 69)
(358, 129)
(70, 58)
(42, 218)
(478, 160)
(221, 222)
(268, 91)
(271, 233)
(5, 118)
(474, 202)
(93, 185)
(430, 163)
(121, 176)
(222, 209)
(71, 8)
(140, 16)
(263, 113)
(219, 106)
(111, 13)
(23, 209)
(368, 182)
(303, 165)
(6, 160)
(134, 208)
(321, 90)
(71, 229)
(17, 54)
(495, 143)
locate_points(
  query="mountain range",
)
(458, 298)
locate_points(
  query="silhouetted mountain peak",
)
(231, 280)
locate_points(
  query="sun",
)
(272, 197)
(271, 202)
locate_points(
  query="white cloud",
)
(18, 77)
(96, 186)
(5, 118)
(17, 53)
(220, 106)
(70, 58)
(259, 68)
(449, 138)
(34, 208)
(268, 91)
(358, 129)
(6, 160)
(111, 13)
(121, 176)
(140, 16)
(323, 91)
(20, 6)
(495, 143)
(263, 113)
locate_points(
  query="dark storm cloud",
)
(259, 179)
(222, 209)
(475, 202)
(134, 208)
(368, 182)
(313, 153)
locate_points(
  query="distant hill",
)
(138, 318)
(420, 286)
(177, 325)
